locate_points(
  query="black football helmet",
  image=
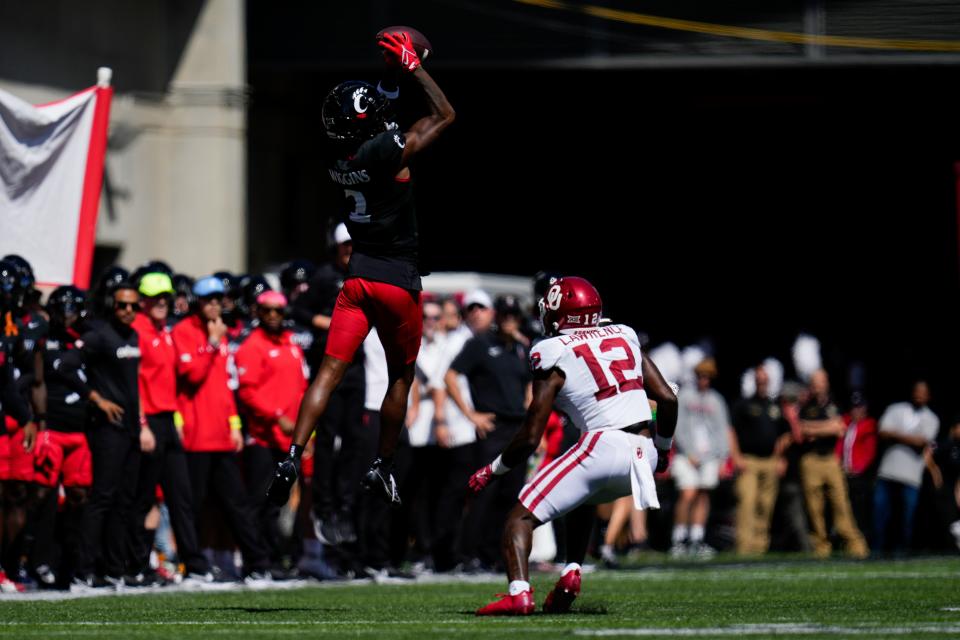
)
(109, 280)
(296, 273)
(67, 305)
(10, 290)
(354, 111)
(27, 279)
(231, 284)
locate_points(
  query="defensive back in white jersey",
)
(604, 379)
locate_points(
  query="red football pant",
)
(397, 314)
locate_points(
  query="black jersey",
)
(12, 402)
(33, 331)
(111, 358)
(379, 212)
(66, 392)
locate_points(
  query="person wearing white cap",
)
(478, 311)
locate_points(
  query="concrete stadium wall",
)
(175, 181)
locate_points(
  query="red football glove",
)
(398, 50)
(481, 479)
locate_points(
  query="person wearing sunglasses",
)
(273, 380)
(110, 356)
(163, 459)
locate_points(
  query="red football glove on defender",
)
(398, 50)
(481, 479)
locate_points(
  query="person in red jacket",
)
(163, 458)
(273, 379)
(857, 451)
(211, 426)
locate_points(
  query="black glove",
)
(663, 460)
(286, 475)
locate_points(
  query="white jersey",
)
(604, 378)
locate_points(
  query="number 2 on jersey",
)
(617, 367)
(359, 211)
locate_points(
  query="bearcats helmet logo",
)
(359, 100)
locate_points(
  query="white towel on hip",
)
(642, 484)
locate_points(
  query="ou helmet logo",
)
(554, 298)
(359, 97)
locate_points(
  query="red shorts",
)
(68, 453)
(20, 463)
(397, 314)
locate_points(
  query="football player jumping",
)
(382, 289)
(598, 376)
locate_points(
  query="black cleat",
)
(379, 479)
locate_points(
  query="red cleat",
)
(521, 604)
(563, 595)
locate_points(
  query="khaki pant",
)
(756, 490)
(821, 474)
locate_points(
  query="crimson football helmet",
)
(354, 111)
(569, 303)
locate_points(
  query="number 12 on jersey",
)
(617, 368)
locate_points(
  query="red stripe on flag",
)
(92, 183)
(55, 102)
(547, 470)
(570, 467)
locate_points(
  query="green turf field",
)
(916, 598)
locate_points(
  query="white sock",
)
(696, 533)
(573, 566)
(519, 586)
(679, 533)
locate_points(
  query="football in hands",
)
(420, 43)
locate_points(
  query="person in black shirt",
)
(21, 332)
(62, 452)
(383, 287)
(314, 307)
(947, 458)
(110, 355)
(820, 473)
(496, 368)
(334, 495)
(761, 434)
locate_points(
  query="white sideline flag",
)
(51, 173)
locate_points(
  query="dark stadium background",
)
(710, 187)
